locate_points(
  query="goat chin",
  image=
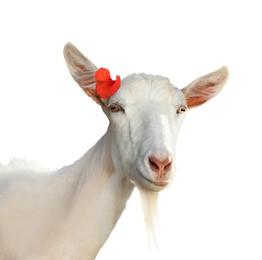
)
(149, 204)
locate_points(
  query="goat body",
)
(64, 215)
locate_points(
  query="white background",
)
(214, 208)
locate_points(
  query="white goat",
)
(70, 213)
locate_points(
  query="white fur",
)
(70, 213)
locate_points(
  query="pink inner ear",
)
(83, 76)
(105, 86)
(206, 87)
(86, 81)
(200, 93)
(195, 101)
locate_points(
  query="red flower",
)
(105, 86)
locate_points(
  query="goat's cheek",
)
(120, 156)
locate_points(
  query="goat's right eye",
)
(115, 107)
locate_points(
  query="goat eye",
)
(115, 107)
(182, 109)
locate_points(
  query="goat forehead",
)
(143, 87)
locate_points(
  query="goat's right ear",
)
(82, 71)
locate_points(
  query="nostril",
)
(168, 166)
(160, 167)
(153, 164)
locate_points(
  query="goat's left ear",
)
(82, 70)
(205, 87)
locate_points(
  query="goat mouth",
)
(158, 183)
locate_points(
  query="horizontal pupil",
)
(114, 107)
(181, 109)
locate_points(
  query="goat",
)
(70, 213)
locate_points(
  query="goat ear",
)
(205, 87)
(82, 71)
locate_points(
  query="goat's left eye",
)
(115, 107)
(182, 109)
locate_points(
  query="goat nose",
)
(160, 167)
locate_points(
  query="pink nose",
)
(160, 167)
